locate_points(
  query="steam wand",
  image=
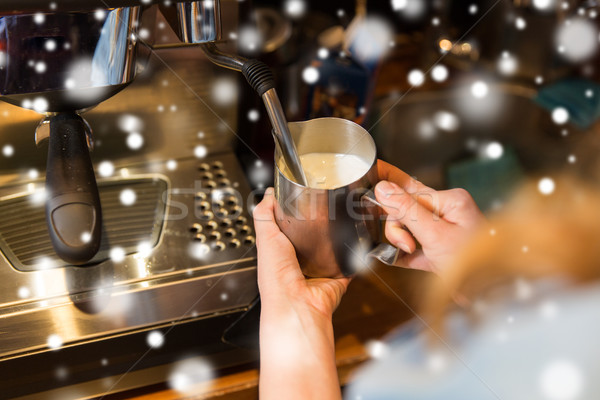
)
(260, 77)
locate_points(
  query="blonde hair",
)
(536, 235)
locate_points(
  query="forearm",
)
(297, 356)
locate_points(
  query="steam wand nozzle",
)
(260, 77)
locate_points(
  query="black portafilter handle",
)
(73, 211)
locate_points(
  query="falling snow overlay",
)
(225, 91)
(546, 186)
(577, 39)
(439, 73)
(295, 8)
(494, 150)
(155, 339)
(105, 169)
(127, 197)
(310, 75)
(479, 89)
(371, 38)
(187, 374)
(416, 77)
(450, 92)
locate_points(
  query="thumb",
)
(264, 218)
(276, 255)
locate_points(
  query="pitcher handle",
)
(384, 252)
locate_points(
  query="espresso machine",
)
(149, 233)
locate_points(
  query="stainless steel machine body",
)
(61, 63)
(71, 60)
(176, 252)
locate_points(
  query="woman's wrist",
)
(297, 352)
(296, 320)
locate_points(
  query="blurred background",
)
(459, 94)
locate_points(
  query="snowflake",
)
(54, 341)
(86, 237)
(117, 254)
(199, 251)
(479, 89)
(224, 91)
(40, 67)
(135, 140)
(50, 45)
(295, 8)
(416, 77)
(578, 39)
(188, 373)
(507, 64)
(39, 18)
(543, 4)
(546, 186)
(155, 339)
(130, 123)
(253, 115)
(259, 173)
(310, 75)
(127, 197)
(371, 38)
(144, 249)
(437, 362)
(439, 73)
(561, 380)
(560, 115)
(250, 39)
(200, 151)
(398, 5)
(445, 120)
(410, 9)
(40, 105)
(106, 169)
(8, 150)
(171, 165)
(377, 349)
(494, 150)
(23, 292)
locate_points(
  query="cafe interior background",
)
(473, 94)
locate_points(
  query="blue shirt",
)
(542, 345)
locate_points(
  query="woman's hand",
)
(279, 274)
(441, 221)
(296, 334)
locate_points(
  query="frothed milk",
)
(332, 170)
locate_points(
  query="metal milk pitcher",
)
(333, 230)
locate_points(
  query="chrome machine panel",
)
(195, 267)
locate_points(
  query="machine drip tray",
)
(132, 209)
(188, 266)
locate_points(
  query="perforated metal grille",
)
(24, 236)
